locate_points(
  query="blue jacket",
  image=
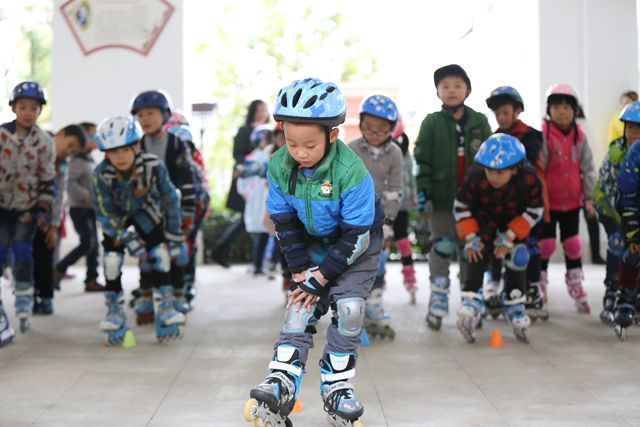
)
(629, 192)
(334, 203)
(146, 197)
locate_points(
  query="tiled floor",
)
(574, 372)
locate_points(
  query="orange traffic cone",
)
(496, 339)
(297, 407)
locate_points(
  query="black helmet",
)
(451, 70)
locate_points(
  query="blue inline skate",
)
(438, 302)
(470, 314)
(24, 304)
(340, 400)
(169, 321)
(181, 303)
(272, 401)
(6, 331)
(608, 304)
(625, 312)
(515, 314)
(114, 325)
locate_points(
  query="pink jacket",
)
(568, 165)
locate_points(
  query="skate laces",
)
(334, 393)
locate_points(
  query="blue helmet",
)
(310, 101)
(504, 92)
(380, 106)
(31, 90)
(500, 151)
(118, 131)
(631, 112)
(151, 99)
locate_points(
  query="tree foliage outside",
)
(25, 30)
(279, 41)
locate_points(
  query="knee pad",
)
(547, 247)
(112, 264)
(404, 247)
(615, 243)
(350, 315)
(572, 247)
(297, 321)
(22, 251)
(159, 258)
(518, 258)
(445, 247)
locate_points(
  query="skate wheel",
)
(288, 423)
(621, 332)
(257, 422)
(358, 423)
(248, 409)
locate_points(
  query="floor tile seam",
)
(375, 388)
(177, 375)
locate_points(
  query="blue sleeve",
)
(628, 179)
(358, 209)
(112, 224)
(170, 204)
(628, 183)
(290, 231)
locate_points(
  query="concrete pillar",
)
(91, 87)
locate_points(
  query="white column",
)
(91, 87)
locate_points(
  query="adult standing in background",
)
(257, 114)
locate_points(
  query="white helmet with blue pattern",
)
(118, 131)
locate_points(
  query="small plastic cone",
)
(364, 338)
(297, 407)
(129, 340)
(496, 339)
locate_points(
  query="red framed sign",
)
(125, 24)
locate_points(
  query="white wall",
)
(102, 84)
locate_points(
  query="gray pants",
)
(356, 281)
(442, 225)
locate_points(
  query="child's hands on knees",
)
(310, 285)
(473, 247)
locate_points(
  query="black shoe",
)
(598, 260)
(220, 259)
